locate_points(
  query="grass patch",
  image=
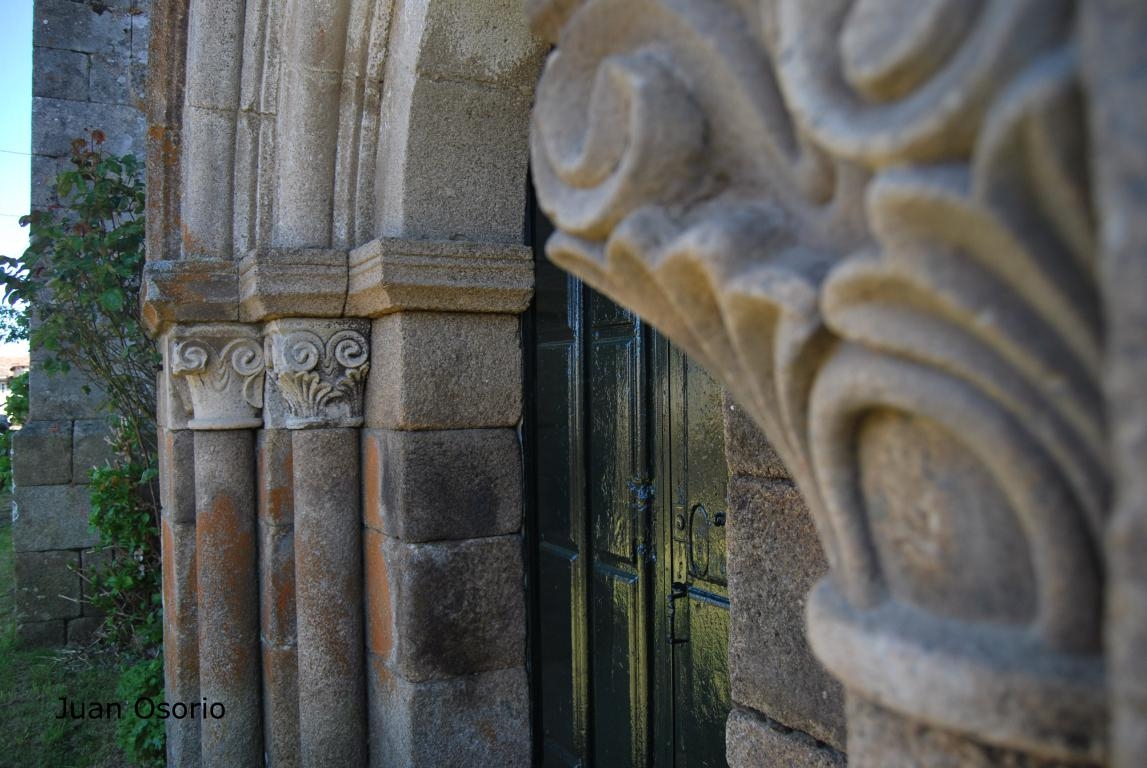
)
(31, 684)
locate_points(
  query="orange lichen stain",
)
(276, 465)
(191, 243)
(372, 484)
(379, 618)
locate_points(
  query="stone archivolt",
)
(873, 221)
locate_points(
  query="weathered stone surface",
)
(276, 478)
(117, 79)
(1111, 44)
(485, 41)
(464, 721)
(747, 450)
(208, 142)
(52, 517)
(228, 601)
(64, 396)
(858, 298)
(301, 282)
(445, 371)
(219, 373)
(433, 485)
(41, 634)
(90, 447)
(458, 173)
(444, 609)
(60, 74)
(392, 275)
(57, 122)
(47, 585)
(82, 26)
(180, 638)
(44, 172)
(42, 454)
(893, 741)
(189, 292)
(277, 584)
(83, 630)
(753, 741)
(281, 705)
(774, 560)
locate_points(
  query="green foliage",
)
(81, 275)
(127, 590)
(141, 738)
(16, 406)
(13, 323)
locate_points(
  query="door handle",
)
(677, 591)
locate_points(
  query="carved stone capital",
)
(217, 372)
(873, 221)
(317, 372)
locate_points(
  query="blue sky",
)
(15, 122)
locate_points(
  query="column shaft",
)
(328, 574)
(228, 598)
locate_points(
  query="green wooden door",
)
(629, 625)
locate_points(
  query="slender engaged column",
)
(318, 369)
(219, 370)
(228, 602)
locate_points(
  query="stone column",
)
(220, 367)
(318, 372)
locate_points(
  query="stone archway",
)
(335, 269)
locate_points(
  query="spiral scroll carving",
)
(319, 370)
(220, 367)
(872, 220)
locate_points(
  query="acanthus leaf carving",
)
(872, 221)
(318, 368)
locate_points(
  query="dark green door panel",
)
(623, 434)
(692, 451)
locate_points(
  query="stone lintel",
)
(189, 291)
(394, 275)
(292, 282)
